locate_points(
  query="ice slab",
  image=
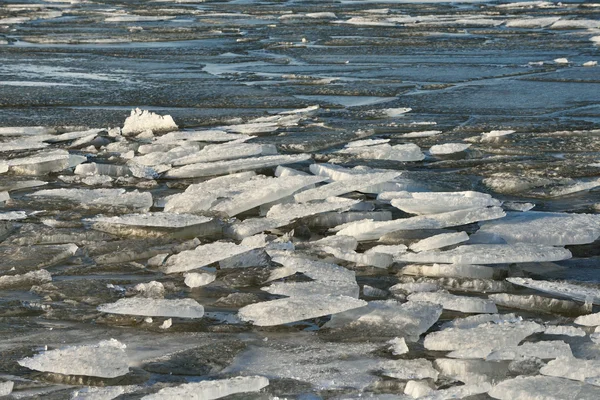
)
(228, 167)
(201, 136)
(553, 229)
(98, 393)
(283, 311)
(390, 318)
(13, 215)
(345, 186)
(100, 197)
(106, 359)
(400, 152)
(475, 320)
(572, 368)
(409, 369)
(372, 230)
(439, 241)
(459, 392)
(451, 270)
(570, 290)
(226, 151)
(543, 387)
(542, 350)
(6, 388)
(440, 202)
(194, 279)
(456, 303)
(203, 255)
(471, 371)
(482, 337)
(491, 254)
(294, 211)
(398, 346)
(143, 120)
(180, 308)
(30, 278)
(448, 148)
(38, 164)
(208, 390)
(588, 320)
(539, 304)
(565, 330)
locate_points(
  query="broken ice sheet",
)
(106, 359)
(143, 120)
(283, 311)
(139, 201)
(180, 308)
(208, 390)
(542, 350)
(156, 224)
(456, 303)
(290, 212)
(543, 387)
(389, 318)
(202, 256)
(564, 289)
(409, 369)
(439, 202)
(540, 304)
(41, 163)
(453, 270)
(491, 254)
(439, 241)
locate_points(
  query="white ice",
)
(565, 289)
(211, 389)
(140, 121)
(203, 255)
(180, 308)
(440, 202)
(448, 148)
(543, 387)
(450, 270)
(439, 241)
(419, 368)
(456, 303)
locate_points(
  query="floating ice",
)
(140, 121)
(409, 369)
(201, 136)
(554, 229)
(482, 337)
(565, 330)
(294, 211)
(400, 152)
(590, 63)
(40, 163)
(417, 389)
(30, 278)
(476, 320)
(543, 387)
(283, 311)
(345, 186)
(577, 292)
(588, 320)
(98, 393)
(100, 197)
(227, 167)
(398, 346)
(6, 388)
(203, 255)
(456, 303)
(572, 368)
(539, 304)
(542, 350)
(448, 148)
(451, 270)
(491, 254)
(459, 392)
(180, 308)
(13, 215)
(208, 390)
(471, 371)
(372, 230)
(441, 202)
(531, 22)
(420, 134)
(106, 359)
(226, 151)
(194, 279)
(439, 241)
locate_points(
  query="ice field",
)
(376, 199)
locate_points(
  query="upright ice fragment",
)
(140, 121)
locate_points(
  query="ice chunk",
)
(484, 337)
(345, 186)
(38, 164)
(451, 270)
(283, 311)
(398, 346)
(208, 390)
(577, 292)
(194, 279)
(590, 63)
(98, 393)
(539, 304)
(180, 308)
(471, 371)
(6, 388)
(203, 255)
(366, 142)
(448, 148)
(439, 241)
(100, 197)
(30, 278)
(456, 303)
(227, 167)
(441, 202)
(390, 318)
(415, 287)
(572, 368)
(106, 359)
(140, 121)
(417, 389)
(294, 211)
(226, 151)
(476, 320)
(554, 229)
(542, 350)
(13, 215)
(491, 254)
(409, 369)
(543, 387)
(372, 230)
(588, 320)
(400, 152)
(201, 136)
(420, 134)
(565, 330)
(272, 190)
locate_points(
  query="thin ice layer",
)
(283, 311)
(372, 230)
(553, 229)
(228, 167)
(208, 390)
(491, 254)
(180, 308)
(565, 289)
(106, 359)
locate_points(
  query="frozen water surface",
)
(312, 200)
